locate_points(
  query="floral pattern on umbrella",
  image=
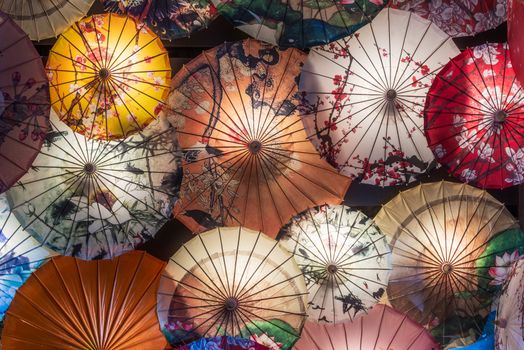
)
(223, 343)
(20, 255)
(363, 97)
(344, 258)
(93, 199)
(458, 17)
(109, 76)
(24, 103)
(246, 158)
(509, 332)
(445, 238)
(473, 118)
(169, 19)
(299, 23)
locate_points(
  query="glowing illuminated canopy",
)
(109, 76)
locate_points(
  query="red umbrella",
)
(381, 329)
(473, 117)
(515, 38)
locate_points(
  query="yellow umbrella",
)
(109, 76)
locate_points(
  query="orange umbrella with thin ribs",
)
(100, 305)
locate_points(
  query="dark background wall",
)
(364, 197)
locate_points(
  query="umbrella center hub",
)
(104, 73)
(254, 146)
(391, 94)
(500, 116)
(231, 304)
(89, 168)
(332, 269)
(446, 268)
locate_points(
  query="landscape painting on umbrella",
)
(246, 157)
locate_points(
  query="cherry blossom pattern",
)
(458, 17)
(473, 118)
(363, 97)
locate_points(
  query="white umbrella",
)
(345, 260)
(364, 96)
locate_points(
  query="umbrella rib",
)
(240, 132)
(493, 103)
(269, 321)
(356, 239)
(382, 83)
(212, 261)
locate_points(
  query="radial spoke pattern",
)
(223, 343)
(458, 17)
(474, 115)
(364, 96)
(446, 243)
(169, 19)
(344, 258)
(24, 103)
(74, 304)
(299, 23)
(20, 255)
(94, 199)
(246, 157)
(509, 323)
(235, 282)
(382, 328)
(109, 76)
(44, 19)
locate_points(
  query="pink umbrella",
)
(24, 102)
(515, 37)
(382, 328)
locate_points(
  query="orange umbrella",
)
(247, 158)
(73, 304)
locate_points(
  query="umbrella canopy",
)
(20, 255)
(381, 328)
(344, 258)
(515, 39)
(473, 118)
(24, 103)
(246, 157)
(93, 199)
(509, 332)
(109, 76)
(223, 343)
(448, 243)
(233, 281)
(74, 304)
(44, 19)
(458, 17)
(299, 23)
(170, 19)
(364, 96)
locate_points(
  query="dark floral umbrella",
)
(93, 199)
(246, 157)
(458, 17)
(299, 23)
(24, 103)
(473, 118)
(170, 19)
